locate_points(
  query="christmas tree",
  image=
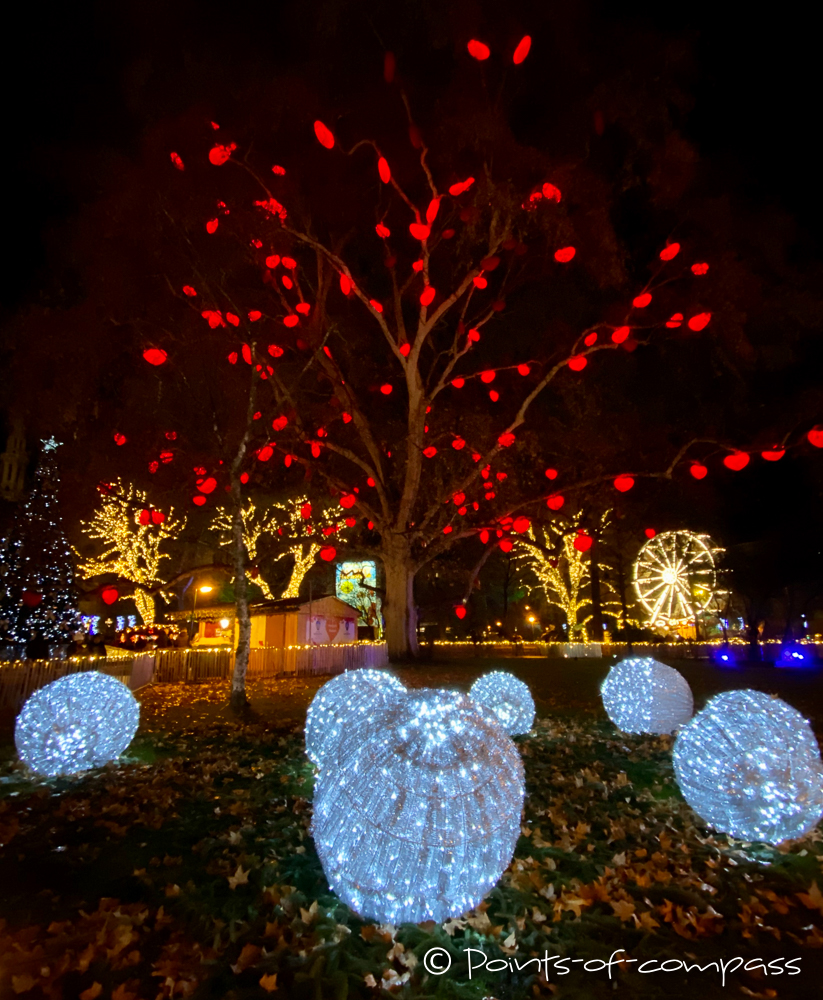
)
(38, 592)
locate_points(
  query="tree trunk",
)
(238, 700)
(145, 605)
(399, 610)
(597, 607)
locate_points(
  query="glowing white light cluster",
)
(422, 815)
(76, 722)
(641, 695)
(749, 766)
(508, 698)
(341, 702)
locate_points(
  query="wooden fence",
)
(20, 678)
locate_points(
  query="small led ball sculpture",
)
(508, 698)
(749, 766)
(76, 722)
(340, 703)
(421, 817)
(641, 695)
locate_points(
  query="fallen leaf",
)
(239, 878)
(93, 991)
(269, 983)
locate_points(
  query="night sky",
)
(71, 81)
(84, 82)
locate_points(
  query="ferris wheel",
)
(675, 576)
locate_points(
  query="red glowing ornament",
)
(488, 377)
(198, 501)
(386, 389)
(208, 485)
(405, 350)
(347, 500)
(346, 284)
(254, 315)
(188, 290)
(303, 308)
(551, 473)
(291, 321)
(670, 252)
(245, 350)
(698, 471)
(458, 444)
(171, 435)
(460, 611)
(551, 193)
(324, 136)
(473, 336)
(427, 297)
(523, 370)
(166, 457)
(578, 363)
(736, 461)
(480, 282)
(272, 261)
(109, 595)
(346, 418)
(484, 536)
(279, 423)
(555, 502)
(430, 452)
(590, 339)
(157, 517)
(674, 321)
(649, 532)
(419, 231)
(275, 351)
(234, 320)
(265, 453)
(521, 525)
(522, 50)
(506, 544)
(382, 231)
(211, 225)
(623, 483)
(145, 517)
(120, 439)
(621, 334)
(641, 301)
(277, 169)
(305, 511)
(564, 255)
(774, 454)
(461, 187)
(458, 383)
(583, 542)
(244, 477)
(155, 355)
(218, 155)
(699, 322)
(327, 553)
(506, 440)
(478, 51)
(175, 159)
(815, 436)
(700, 269)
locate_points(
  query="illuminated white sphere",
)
(79, 721)
(421, 817)
(749, 766)
(641, 695)
(341, 702)
(508, 698)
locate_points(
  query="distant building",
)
(13, 464)
(290, 622)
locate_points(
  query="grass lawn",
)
(187, 870)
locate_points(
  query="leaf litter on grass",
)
(187, 870)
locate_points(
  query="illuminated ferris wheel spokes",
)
(674, 576)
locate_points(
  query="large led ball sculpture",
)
(76, 722)
(508, 698)
(340, 703)
(641, 695)
(421, 817)
(749, 766)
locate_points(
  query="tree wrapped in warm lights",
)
(132, 533)
(292, 526)
(560, 558)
